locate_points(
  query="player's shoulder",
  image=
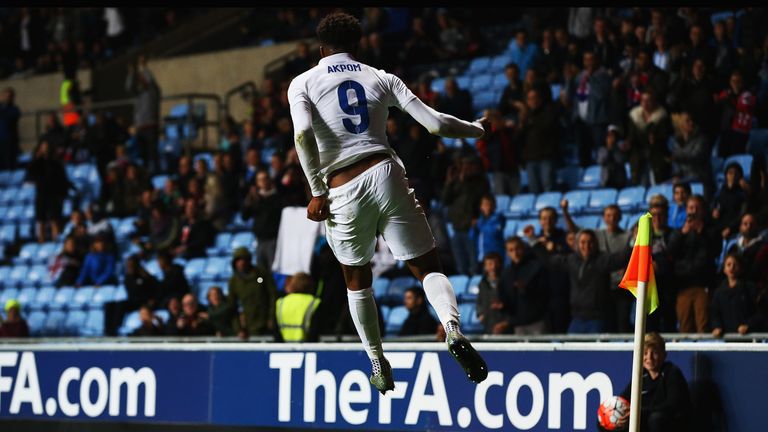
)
(299, 82)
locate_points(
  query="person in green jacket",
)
(254, 290)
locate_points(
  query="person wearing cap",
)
(13, 325)
(253, 289)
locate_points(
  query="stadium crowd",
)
(651, 96)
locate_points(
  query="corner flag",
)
(640, 267)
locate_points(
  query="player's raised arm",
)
(437, 123)
(304, 138)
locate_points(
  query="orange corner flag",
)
(640, 267)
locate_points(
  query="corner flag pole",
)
(637, 355)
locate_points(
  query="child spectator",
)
(680, 194)
(490, 309)
(488, 232)
(733, 303)
(99, 266)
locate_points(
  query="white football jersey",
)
(349, 104)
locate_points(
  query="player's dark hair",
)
(340, 31)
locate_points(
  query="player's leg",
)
(365, 315)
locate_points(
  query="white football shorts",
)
(377, 201)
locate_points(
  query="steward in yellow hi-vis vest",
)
(295, 310)
(69, 98)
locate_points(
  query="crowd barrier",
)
(531, 386)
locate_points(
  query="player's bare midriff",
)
(346, 174)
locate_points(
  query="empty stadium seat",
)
(459, 283)
(480, 83)
(473, 289)
(469, 322)
(380, 288)
(587, 221)
(463, 81)
(510, 227)
(36, 322)
(569, 177)
(630, 220)
(54, 323)
(26, 297)
(591, 177)
(158, 181)
(131, 321)
(194, 269)
(62, 299)
(385, 313)
(101, 295)
(397, 317)
(398, 286)
(38, 274)
(43, 298)
(221, 244)
(27, 253)
(600, 198)
(578, 201)
(631, 198)
(502, 203)
(125, 228)
(499, 81)
(499, 62)
(521, 205)
(94, 323)
(484, 99)
(243, 239)
(8, 293)
(82, 297)
(697, 188)
(74, 323)
(8, 234)
(548, 199)
(479, 65)
(663, 189)
(216, 268)
(438, 85)
(120, 293)
(46, 251)
(153, 268)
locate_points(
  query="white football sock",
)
(442, 297)
(362, 307)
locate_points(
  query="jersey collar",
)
(336, 58)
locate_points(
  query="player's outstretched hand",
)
(317, 210)
(486, 124)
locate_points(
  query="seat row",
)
(394, 318)
(50, 298)
(391, 291)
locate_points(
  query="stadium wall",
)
(531, 386)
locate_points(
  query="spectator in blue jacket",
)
(99, 266)
(523, 53)
(489, 229)
(677, 214)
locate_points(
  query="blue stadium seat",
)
(463, 81)
(498, 64)
(9, 195)
(14, 213)
(469, 321)
(510, 227)
(153, 268)
(569, 176)
(158, 181)
(27, 253)
(131, 321)
(126, 228)
(473, 289)
(46, 251)
(36, 322)
(43, 298)
(479, 65)
(663, 189)
(591, 177)
(5, 178)
(524, 223)
(398, 286)
(697, 188)
(502, 203)
(74, 323)
(745, 160)
(758, 142)
(484, 99)
(163, 314)
(521, 206)
(385, 313)
(548, 199)
(499, 81)
(481, 83)
(39, 274)
(17, 177)
(578, 201)
(62, 299)
(460, 284)
(397, 317)
(94, 323)
(18, 275)
(280, 280)
(82, 297)
(380, 288)
(555, 88)
(26, 193)
(438, 85)
(8, 293)
(216, 268)
(631, 198)
(221, 245)
(587, 221)
(8, 234)
(101, 295)
(120, 293)
(630, 220)
(54, 323)
(243, 239)
(600, 198)
(194, 269)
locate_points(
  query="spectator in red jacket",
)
(738, 106)
(499, 153)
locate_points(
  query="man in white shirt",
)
(339, 110)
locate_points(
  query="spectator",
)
(539, 138)
(488, 231)
(601, 44)
(419, 321)
(220, 314)
(693, 94)
(134, 183)
(666, 402)
(141, 83)
(524, 54)
(650, 77)
(589, 272)
(163, 229)
(455, 101)
(649, 131)
(690, 154)
(9, 130)
(499, 153)
(192, 322)
(99, 225)
(524, 292)
(184, 174)
(747, 245)
(14, 326)
(694, 249)
(291, 183)
(612, 159)
(264, 205)
(580, 21)
(738, 108)
(51, 187)
(65, 268)
(461, 196)
(734, 300)
(724, 52)
(142, 289)
(489, 307)
(680, 194)
(151, 324)
(666, 319)
(174, 283)
(99, 266)
(197, 234)
(295, 312)
(551, 57)
(550, 232)
(415, 149)
(513, 91)
(731, 200)
(253, 289)
(588, 95)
